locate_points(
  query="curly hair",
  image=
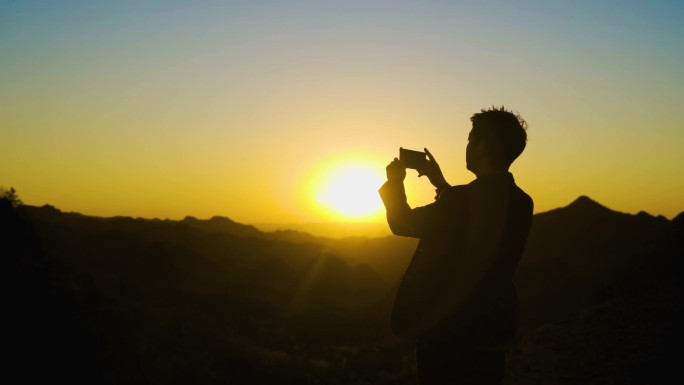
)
(503, 127)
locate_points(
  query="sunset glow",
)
(350, 191)
(167, 109)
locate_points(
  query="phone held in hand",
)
(412, 159)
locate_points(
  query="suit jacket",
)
(459, 281)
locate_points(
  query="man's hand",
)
(433, 172)
(396, 170)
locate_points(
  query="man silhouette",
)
(457, 298)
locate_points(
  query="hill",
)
(600, 298)
(215, 300)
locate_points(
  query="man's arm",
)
(401, 218)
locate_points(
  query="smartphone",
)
(412, 159)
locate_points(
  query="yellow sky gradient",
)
(243, 112)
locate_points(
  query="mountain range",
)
(218, 301)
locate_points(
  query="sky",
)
(251, 110)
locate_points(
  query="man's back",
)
(465, 261)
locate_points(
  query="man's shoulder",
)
(455, 192)
(458, 188)
(524, 197)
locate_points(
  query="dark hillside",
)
(583, 254)
(601, 298)
(217, 301)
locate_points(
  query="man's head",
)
(498, 137)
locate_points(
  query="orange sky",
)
(165, 110)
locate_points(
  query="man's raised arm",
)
(401, 218)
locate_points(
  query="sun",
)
(350, 191)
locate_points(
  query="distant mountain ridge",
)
(582, 227)
(583, 264)
(218, 224)
(215, 224)
(582, 206)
